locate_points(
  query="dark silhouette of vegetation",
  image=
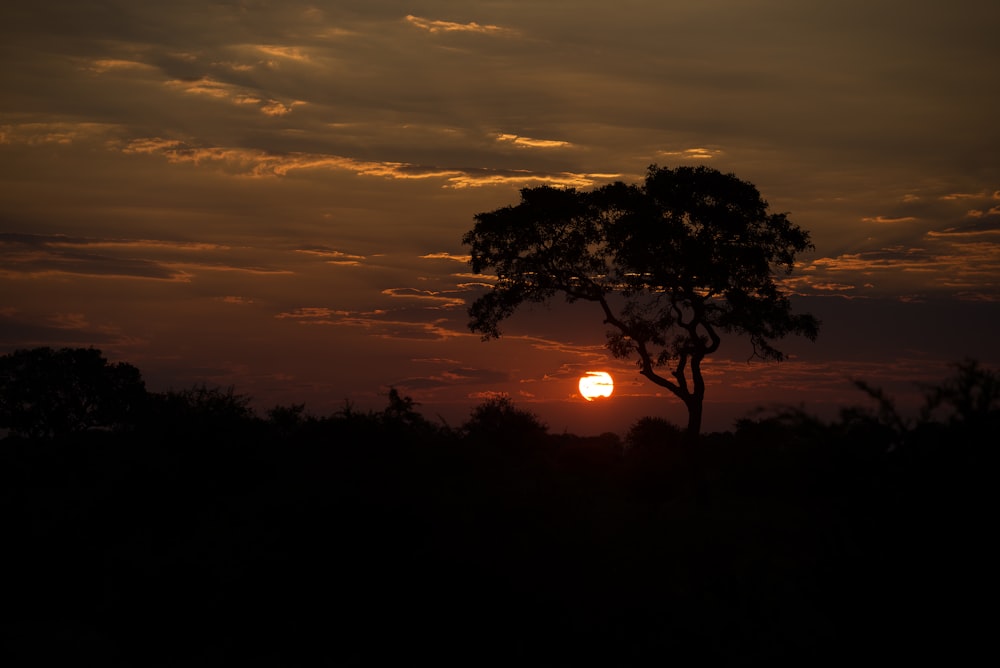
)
(205, 534)
(498, 420)
(690, 254)
(46, 392)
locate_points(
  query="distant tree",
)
(47, 393)
(287, 419)
(967, 404)
(402, 410)
(970, 398)
(201, 410)
(498, 420)
(673, 263)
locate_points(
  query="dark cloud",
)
(19, 331)
(32, 254)
(38, 255)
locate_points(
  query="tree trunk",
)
(694, 409)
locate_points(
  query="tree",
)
(46, 392)
(674, 262)
(497, 420)
(202, 412)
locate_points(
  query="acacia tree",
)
(673, 262)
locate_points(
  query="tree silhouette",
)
(673, 262)
(498, 420)
(47, 393)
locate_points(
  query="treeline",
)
(182, 528)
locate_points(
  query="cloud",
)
(984, 225)
(528, 142)
(440, 300)
(437, 26)
(474, 178)
(967, 196)
(333, 256)
(447, 256)
(104, 65)
(36, 255)
(26, 262)
(312, 313)
(452, 377)
(275, 108)
(182, 246)
(54, 132)
(962, 263)
(699, 153)
(377, 323)
(209, 87)
(897, 258)
(238, 95)
(256, 163)
(20, 330)
(832, 287)
(977, 213)
(287, 52)
(244, 269)
(884, 220)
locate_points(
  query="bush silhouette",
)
(498, 421)
(49, 393)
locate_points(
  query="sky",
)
(272, 195)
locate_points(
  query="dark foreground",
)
(379, 542)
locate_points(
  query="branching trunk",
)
(691, 395)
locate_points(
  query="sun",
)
(596, 384)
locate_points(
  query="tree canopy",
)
(674, 262)
(46, 392)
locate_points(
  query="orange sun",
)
(596, 384)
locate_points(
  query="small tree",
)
(498, 420)
(672, 263)
(46, 392)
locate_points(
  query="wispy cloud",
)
(967, 196)
(963, 264)
(438, 26)
(60, 329)
(238, 95)
(104, 65)
(439, 300)
(287, 52)
(981, 224)
(55, 132)
(452, 377)
(35, 256)
(333, 256)
(251, 162)
(376, 323)
(528, 142)
(314, 313)
(447, 256)
(697, 153)
(887, 220)
(24, 263)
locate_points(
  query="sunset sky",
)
(272, 195)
